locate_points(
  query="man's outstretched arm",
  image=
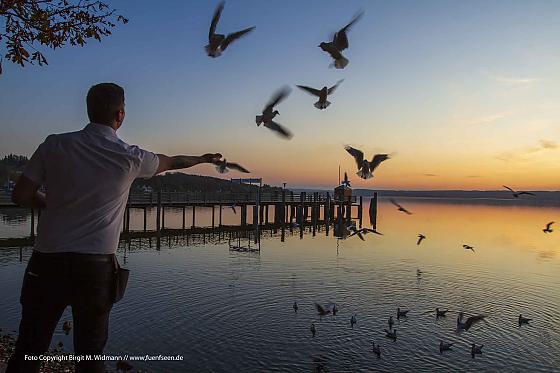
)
(178, 162)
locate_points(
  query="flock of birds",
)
(462, 324)
(218, 43)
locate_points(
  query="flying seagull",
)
(322, 93)
(327, 309)
(399, 207)
(548, 229)
(467, 247)
(339, 43)
(269, 113)
(361, 232)
(223, 166)
(517, 194)
(469, 323)
(346, 182)
(420, 238)
(217, 43)
(365, 167)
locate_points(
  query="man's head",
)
(105, 104)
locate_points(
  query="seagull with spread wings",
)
(339, 43)
(399, 207)
(420, 238)
(223, 166)
(322, 93)
(517, 194)
(365, 167)
(469, 322)
(217, 43)
(268, 114)
(468, 247)
(548, 229)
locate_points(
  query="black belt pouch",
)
(120, 279)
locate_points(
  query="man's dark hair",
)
(103, 102)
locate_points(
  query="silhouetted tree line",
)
(11, 166)
(180, 182)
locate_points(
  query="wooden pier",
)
(288, 209)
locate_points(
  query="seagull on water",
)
(467, 247)
(399, 207)
(376, 349)
(322, 93)
(469, 323)
(401, 313)
(440, 313)
(365, 167)
(217, 43)
(476, 350)
(313, 330)
(420, 238)
(269, 113)
(517, 194)
(391, 334)
(548, 229)
(223, 166)
(523, 320)
(353, 320)
(295, 306)
(391, 322)
(339, 43)
(444, 346)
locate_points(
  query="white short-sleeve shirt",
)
(87, 175)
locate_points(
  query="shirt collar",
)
(101, 129)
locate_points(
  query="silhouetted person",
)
(87, 175)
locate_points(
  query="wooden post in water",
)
(360, 211)
(193, 215)
(283, 209)
(373, 210)
(213, 215)
(128, 219)
(158, 212)
(162, 217)
(220, 215)
(32, 223)
(184, 216)
(145, 219)
(349, 209)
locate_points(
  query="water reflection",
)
(228, 310)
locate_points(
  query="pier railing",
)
(229, 197)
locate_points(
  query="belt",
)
(101, 258)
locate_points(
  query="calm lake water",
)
(228, 311)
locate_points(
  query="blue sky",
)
(467, 91)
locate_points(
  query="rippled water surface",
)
(229, 311)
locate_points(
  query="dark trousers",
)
(51, 283)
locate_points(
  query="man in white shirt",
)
(87, 175)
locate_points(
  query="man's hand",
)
(211, 157)
(178, 162)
